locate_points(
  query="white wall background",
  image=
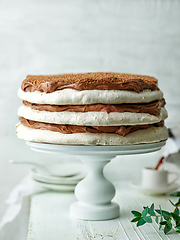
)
(49, 37)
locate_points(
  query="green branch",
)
(163, 218)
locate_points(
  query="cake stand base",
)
(96, 213)
(95, 192)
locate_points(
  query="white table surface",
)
(49, 218)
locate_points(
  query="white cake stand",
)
(95, 192)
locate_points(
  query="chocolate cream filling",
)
(69, 129)
(89, 81)
(152, 108)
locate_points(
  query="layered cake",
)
(101, 108)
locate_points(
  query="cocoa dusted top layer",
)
(89, 81)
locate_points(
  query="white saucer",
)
(55, 187)
(136, 184)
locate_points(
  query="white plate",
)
(67, 169)
(70, 173)
(55, 187)
(136, 184)
(56, 180)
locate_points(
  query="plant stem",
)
(176, 208)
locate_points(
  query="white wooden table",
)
(50, 220)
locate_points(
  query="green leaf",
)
(177, 211)
(156, 219)
(160, 226)
(140, 222)
(167, 228)
(175, 217)
(136, 213)
(136, 219)
(178, 231)
(163, 222)
(178, 225)
(151, 210)
(165, 214)
(169, 222)
(144, 212)
(175, 194)
(172, 203)
(147, 219)
(178, 203)
(158, 211)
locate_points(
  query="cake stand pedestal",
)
(95, 192)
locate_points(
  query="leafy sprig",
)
(163, 218)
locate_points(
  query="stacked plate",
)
(63, 177)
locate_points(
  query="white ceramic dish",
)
(136, 184)
(67, 169)
(55, 187)
(69, 173)
(56, 180)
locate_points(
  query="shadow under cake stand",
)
(95, 192)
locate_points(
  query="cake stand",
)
(95, 192)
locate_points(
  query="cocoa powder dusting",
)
(89, 81)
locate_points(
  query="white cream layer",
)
(149, 135)
(91, 118)
(74, 97)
